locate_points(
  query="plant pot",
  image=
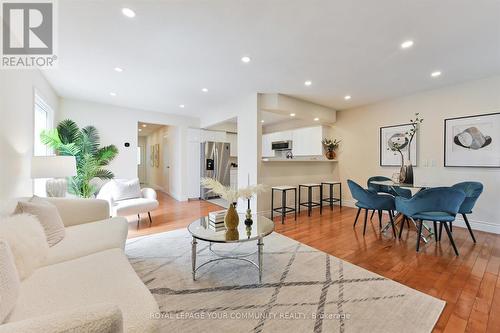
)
(231, 220)
(330, 154)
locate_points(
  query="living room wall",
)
(17, 90)
(118, 125)
(359, 130)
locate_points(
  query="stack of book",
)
(216, 220)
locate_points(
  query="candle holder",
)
(248, 216)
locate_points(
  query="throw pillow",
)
(126, 189)
(48, 215)
(9, 281)
(26, 240)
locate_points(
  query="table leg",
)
(193, 257)
(260, 245)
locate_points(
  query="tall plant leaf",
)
(68, 131)
(106, 154)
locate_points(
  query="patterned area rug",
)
(302, 290)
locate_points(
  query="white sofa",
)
(87, 268)
(143, 203)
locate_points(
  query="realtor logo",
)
(28, 34)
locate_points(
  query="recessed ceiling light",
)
(347, 97)
(262, 121)
(118, 69)
(407, 44)
(204, 89)
(144, 125)
(112, 94)
(308, 83)
(140, 130)
(436, 74)
(246, 59)
(292, 114)
(128, 12)
(182, 106)
(316, 119)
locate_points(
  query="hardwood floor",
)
(469, 283)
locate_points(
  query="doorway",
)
(154, 160)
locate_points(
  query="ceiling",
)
(145, 129)
(173, 49)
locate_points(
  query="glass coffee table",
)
(260, 228)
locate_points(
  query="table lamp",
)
(57, 168)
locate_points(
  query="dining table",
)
(399, 218)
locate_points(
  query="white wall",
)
(359, 130)
(118, 125)
(16, 128)
(157, 177)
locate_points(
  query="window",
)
(42, 121)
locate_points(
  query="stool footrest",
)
(287, 209)
(312, 204)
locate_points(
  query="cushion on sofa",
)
(132, 206)
(9, 281)
(95, 318)
(48, 216)
(27, 241)
(125, 189)
(104, 277)
(89, 238)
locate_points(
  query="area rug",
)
(302, 290)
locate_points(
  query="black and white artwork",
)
(391, 135)
(472, 141)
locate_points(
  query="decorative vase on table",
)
(231, 220)
(330, 154)
(406, 172)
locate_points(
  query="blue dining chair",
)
(394, 191)
(472, 192)
(369, 200)
(439, 204)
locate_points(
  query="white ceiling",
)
(172, 49)
(149, 129)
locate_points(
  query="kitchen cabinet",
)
(215, 136)
(267, 139)
(307, 141)
(232, 138)
(233, 178)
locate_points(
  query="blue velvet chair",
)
(472, 192)
(369, 200)
(439, 204)
(394, 191)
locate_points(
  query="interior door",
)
(166, 164)
(141, 163)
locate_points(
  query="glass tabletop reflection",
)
(261, 227)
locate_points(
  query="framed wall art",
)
(472, 141)
(397, 134)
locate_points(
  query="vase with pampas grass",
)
(231, 220)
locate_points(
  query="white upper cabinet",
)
(267, 140)
(307, 141)
(215, 136)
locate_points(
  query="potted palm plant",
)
(69, 140)
(330, 147)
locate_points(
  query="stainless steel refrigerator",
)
(214, 164)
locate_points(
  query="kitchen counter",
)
(298, 159)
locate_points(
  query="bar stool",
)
(309, 203)
(331, 199)
(283, 209)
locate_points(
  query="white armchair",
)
(136, 202)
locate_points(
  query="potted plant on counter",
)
(330, 147)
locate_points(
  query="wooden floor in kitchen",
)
(469, 283)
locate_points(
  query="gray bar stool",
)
(331, 199)
(309, 203)
(283, 209)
